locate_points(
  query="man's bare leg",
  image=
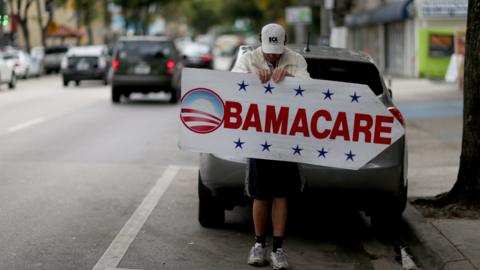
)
(279, 216)
(257, 255)
(260, 216)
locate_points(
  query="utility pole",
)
(325, 21)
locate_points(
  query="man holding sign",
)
(270, 181)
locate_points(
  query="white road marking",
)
(121, 269)
(117, 249)
(193, 168)
(25, 124)
(407, 262)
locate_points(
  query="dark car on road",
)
(85, 63)
(144, 64)
(379, 188)
(197, 55)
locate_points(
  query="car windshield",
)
(146, 50)
(346, 71)
(56, 50)
(195, 50)
(10, 56)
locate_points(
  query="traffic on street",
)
(81, 176)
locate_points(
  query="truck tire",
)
(387, 219)
(116, 94)
(174, 96)
(211, 213)
(13, 82)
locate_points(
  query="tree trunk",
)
(467, 187)
(107, 20)
(90, 33)
(79, 14)
(26, 33)
(40, 24)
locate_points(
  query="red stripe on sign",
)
(199, 119)
(202, 128)
(187, 110)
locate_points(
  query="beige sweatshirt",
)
(253, 61)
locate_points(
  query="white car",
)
(37, 54)
(7, 75)
(20, 61)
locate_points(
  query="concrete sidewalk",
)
(433, 111)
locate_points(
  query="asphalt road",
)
(85, 184)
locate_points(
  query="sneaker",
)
(258, 255)
(279, 259)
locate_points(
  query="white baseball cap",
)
(273, 38)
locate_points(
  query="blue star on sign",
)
(243, 86)
(354, 97)
(299, 91)
(297, 150)
(266, 146)
(350, 155)
(322, 153)
(268, 88)
(328, 94)
(238, 144)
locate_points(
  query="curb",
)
(429, 246)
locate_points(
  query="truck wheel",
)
(13, 82)
(387, 219)
(174, 96)
(211, 213)
(116, 95)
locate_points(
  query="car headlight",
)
(64, 63)
(102, 63)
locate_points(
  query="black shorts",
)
(268, 179)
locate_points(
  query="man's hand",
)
(264, 75)
(279, 74)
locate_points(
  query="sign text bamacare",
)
(319, 122)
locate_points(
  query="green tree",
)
(138, 13)
(48, 7)
(19, 9)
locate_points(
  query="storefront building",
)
(406, 37)
(439, 25)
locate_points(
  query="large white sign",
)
(318, 122)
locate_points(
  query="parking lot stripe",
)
(25, 124)
(117, 249)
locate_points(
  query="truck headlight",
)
(102, 63)
(64, 64)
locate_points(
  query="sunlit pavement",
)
(433, 110)
(85, 184)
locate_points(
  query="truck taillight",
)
(115, 64)
(398, 115)
(170, 64)
(207, 58)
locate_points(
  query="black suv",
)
(144, 64)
